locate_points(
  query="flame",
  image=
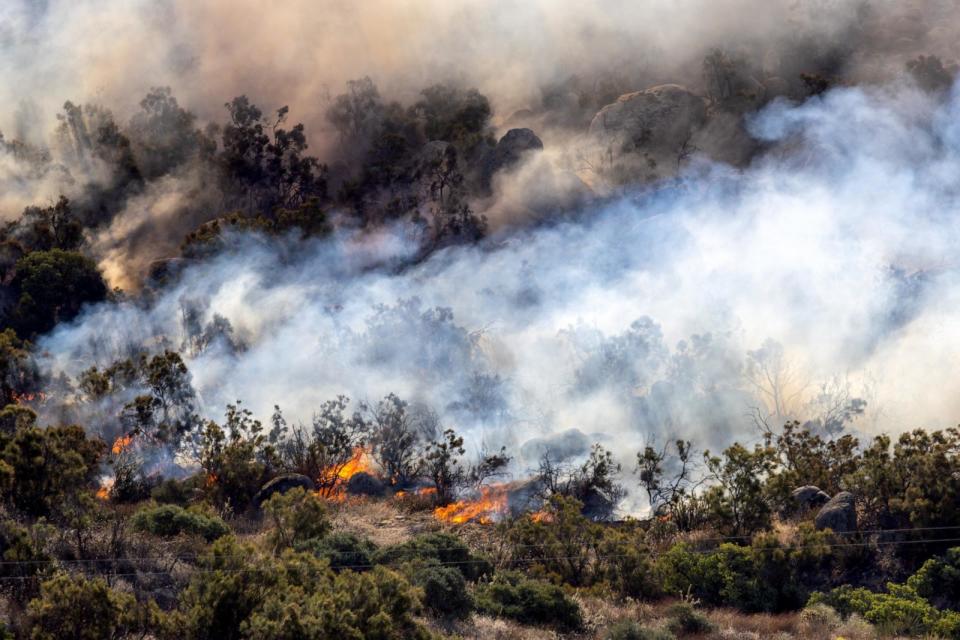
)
(121, 443)
(23, 398)
(211, 479)
(360, 462)
(106, 485)
(541, 516)
(491, 504)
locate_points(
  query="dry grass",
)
(380, 521)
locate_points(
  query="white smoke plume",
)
(824, 271)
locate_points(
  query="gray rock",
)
(510, 149)
(839, 514)
(282, 484)
(808, 497)
(365, 484)
(658, 120)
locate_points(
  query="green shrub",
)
(435, 548)
(297, 516)
(75, 607)
(900, 611)
(513, 595)
(444, 591)
(630, 630)
(765, 576)
(170, 520)
(819, 618)
(342, 551)
(685, 619)
(938, 580)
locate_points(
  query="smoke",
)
(823, 272)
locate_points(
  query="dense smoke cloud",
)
(823, 272)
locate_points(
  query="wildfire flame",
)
(360, 462)
(23, 398)
(106, 485)
(121, 443)
(491, 505)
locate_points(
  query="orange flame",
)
(541, 516)
(22, 398)
(360, 462)
(106, 485)
(491, 504)
(121, 443)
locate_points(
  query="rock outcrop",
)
(282, 484)
(839, 514)
(809, 497)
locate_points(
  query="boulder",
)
(365, 484)
(809, 497)
(839, 514)
(658, 121)
(282, 484)
(510, 149)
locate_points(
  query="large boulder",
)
(282, 484)
(808, 497)
(365, 484)
(510, 149)
(839, 514)
(657, 123)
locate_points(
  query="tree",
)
(395, 441)
(266, 163)
(236, 458)
(663, 493)
(736, 502)
(18, 371)
(45, 228)
(356, 113)
(164, 135)
(441, 463)
(326, 448)
(51, 287)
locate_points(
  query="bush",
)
(436, 548)
(685, 619)
(342, 551)
(513, 595)
(630, 630)
(170, 520)
(818, 619)
(938, 580)
(444, 591)
(298, 516)
(75, 607)
(763, 577)
(899, 611)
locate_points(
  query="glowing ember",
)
(121, 443)
(541, 516)
(491, 505)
